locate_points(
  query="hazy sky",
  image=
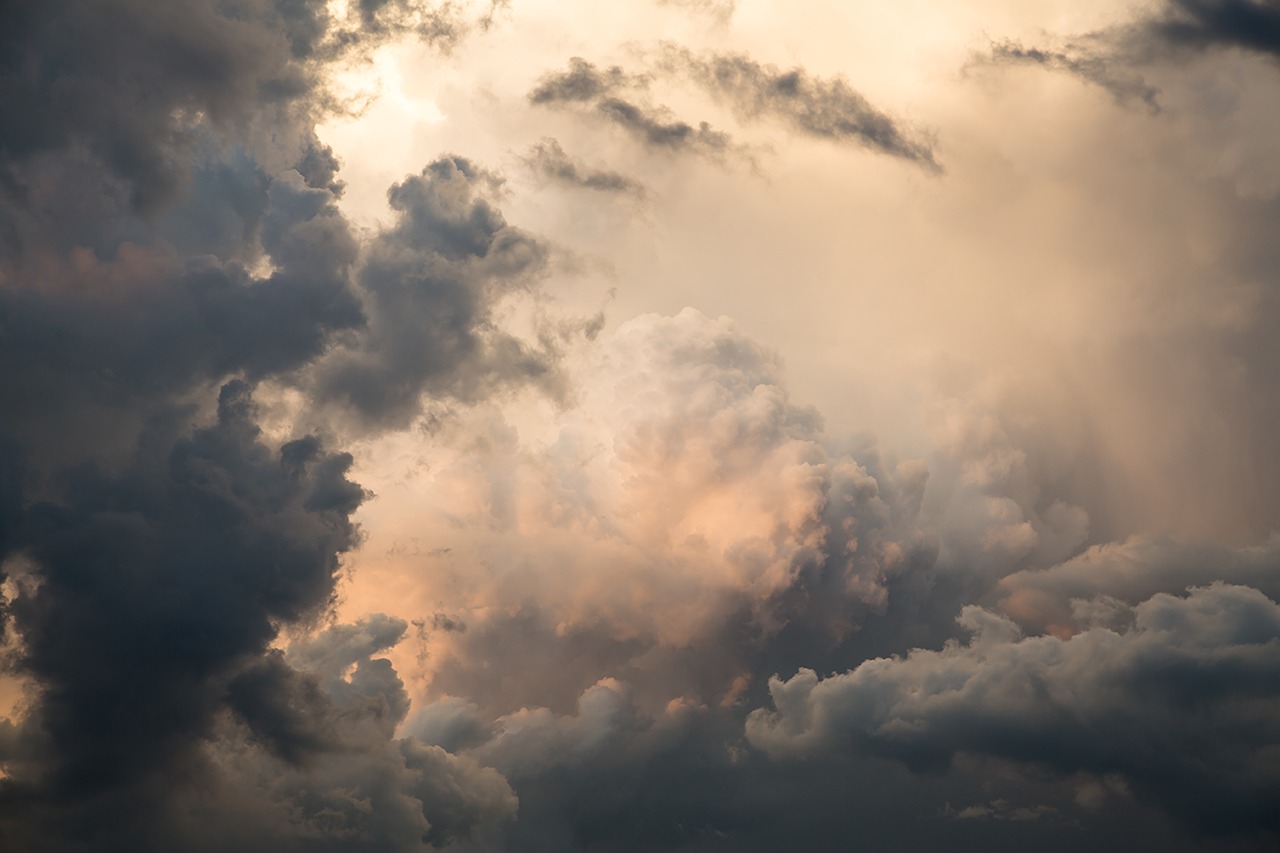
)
(662, 425)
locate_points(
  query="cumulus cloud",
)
(175, 571)
(1074, 593)
(356, 786)
(685, 487)
(172, 241)
(1180, 704)
(431, 285)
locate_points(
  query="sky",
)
(663, 425)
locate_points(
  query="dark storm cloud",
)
(1252, 25)
(432, 283)
(607, 768)
(126, 81)
(587, 85)
(156, 542)
(145, 613)
(549, 160)
(1181, 705)
(173, 573)
(120, 335)
(111, 76)
(823, 108)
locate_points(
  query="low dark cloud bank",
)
(1181, 703)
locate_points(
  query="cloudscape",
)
(662, 425)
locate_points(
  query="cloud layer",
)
(343, 517)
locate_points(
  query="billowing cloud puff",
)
(431, 285)
(1181, 704)
(1065, 597)
(685, 486)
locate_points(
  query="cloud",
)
(687, 528)
(816, 107)
(550, 161)
(1125, 86)
(603, 571)
(1252, 25)
(1179, 704)
(359, 786)
(687, 470)
(175, 571)
(1169, 32)
(432, 284)
(586, 84)
(170, 243)
(126, 85)
(1067, 596)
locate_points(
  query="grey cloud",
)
(826, 109)
(550, 161)
(358, 786)
(656, 127)
(1170, 31)
(587, 85)
(1180, 705)
(173, 573)
(1252, 25)
(452, 723)
(432, 283)
(127, 82)
(605, 773)
(1125, 86)
(1073, 593)
(691, 409)
(120, 336)
(152, 159)
(584, 82)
